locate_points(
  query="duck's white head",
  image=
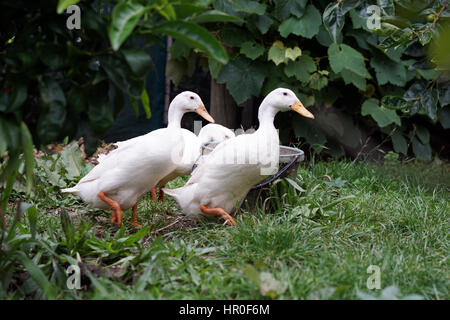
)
(188, 101)
(283, 99)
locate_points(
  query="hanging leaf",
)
(252, 49)
(333, 19)
(243, 78)
(345, 57)
(301, 69)
(146, 104)
(249, 6)
(381, 115)
(138, 60)
(399, 143)
(421, 151)
(307, 26)
(195, 36)
(124, 19)
(277, 53)
(215, 16)
(64, 4)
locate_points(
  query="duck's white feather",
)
(224, 177)
(138, 164)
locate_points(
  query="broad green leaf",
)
(252, 49)
(388, 71)
(72, 159)
(263, 23)
(167, 11)
(277, 53)
(249, 6)
(243, 78)
(146, 103)
(285, 8)
(124, 19)
(301, 69)
(186, 10)
(429, 101)
(355, 79)
(395, 102)
(358, 21)
(138, 60)
(333, 19)
(421, 151)
(215, 16)
(381, 115)
(399, 143)
(423, 134)
(214, 67)
(414, 95)
(288, 26)
(179, 49)
(307, 26)
(293, 53)
(317, 81)
(64, 4)
(195, 36)
(345, 57)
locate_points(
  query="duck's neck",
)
(174, 116)
(266, 116)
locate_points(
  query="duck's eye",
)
(284, 93)
(192, 97)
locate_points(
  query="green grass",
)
(314, 243)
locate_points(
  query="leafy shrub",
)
(54, 80)
(382, 79)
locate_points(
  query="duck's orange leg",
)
(161, 194)
(116, 212)
(134, 217)
(218, 212)
(153, 191)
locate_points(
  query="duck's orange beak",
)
(300, 109)
(204, 114)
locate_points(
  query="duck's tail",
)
(73, 190)
(182, 195)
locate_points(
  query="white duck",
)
(124, 175)
(192, 151)
(221, 182)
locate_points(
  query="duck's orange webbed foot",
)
(218, 212)
(134, 217)
(116, 211)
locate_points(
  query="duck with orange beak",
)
(220, 183)
(124, 175)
